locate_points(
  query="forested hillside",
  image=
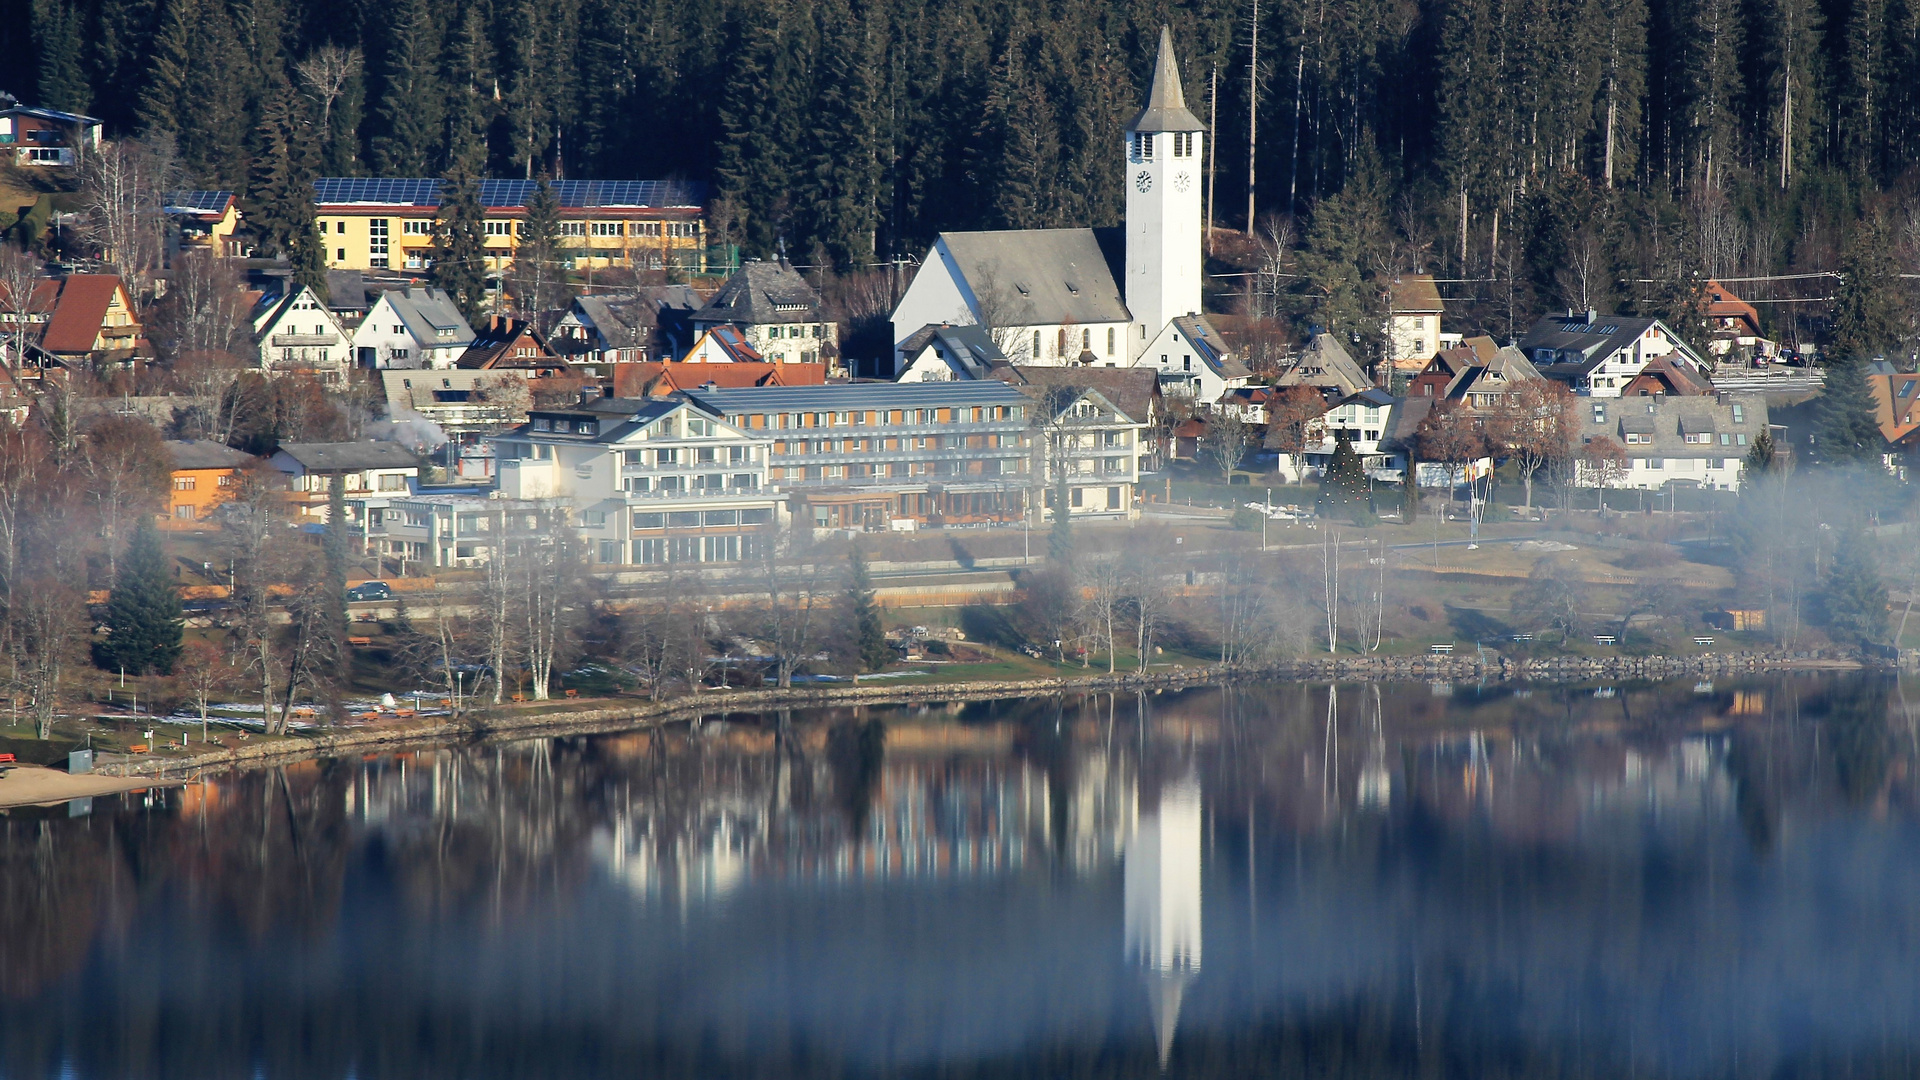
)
(1590, 143)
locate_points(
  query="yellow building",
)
(387, 224)
(206, 220)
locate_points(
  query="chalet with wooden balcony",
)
(296, 333)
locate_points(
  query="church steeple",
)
(1166, 108)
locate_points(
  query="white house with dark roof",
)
(294, 332)
(1193, 360)
(1052, 296)
(777, 313)
(372, 473)
(1699, 441)
(413, 327)
(946, 352)
(1598, 355)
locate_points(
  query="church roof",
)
(1028, 277)
(1166, 108)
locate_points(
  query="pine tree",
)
(143, 610)
(169, 66)
(1759, 458)
(280, 190)
(1869, 308)
(1844, 429)
(1343, 487)
(212, 108)
(406, 109)
(1856, 601)
(460, 244)
(464, 73)
(870, 638)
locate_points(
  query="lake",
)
(1403, 880)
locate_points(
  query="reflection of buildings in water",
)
(1162, 903)
(1102, 811)
(933, 817)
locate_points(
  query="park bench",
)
(1703, 641)
(139, 748)
(403, 713)
(7, 764)
(573, 693)
(1440, 647)
(1522, 637)
(1605, 639)
(360, 641)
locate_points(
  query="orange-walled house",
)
(205, 475)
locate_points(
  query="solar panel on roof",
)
(207, 201)
(394, 191)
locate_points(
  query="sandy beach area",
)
(31, 785)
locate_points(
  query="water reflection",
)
(1384, 881)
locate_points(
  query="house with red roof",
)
(1735, 326)
(658, 378)
(723, 345)
(89, 317)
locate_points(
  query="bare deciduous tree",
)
(1225, 441)
(124, 185)
(19, 278)
(795, 590)
(45, 631)
(325, 73)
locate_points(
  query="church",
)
(1050, 297)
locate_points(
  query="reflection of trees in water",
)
(53, 891)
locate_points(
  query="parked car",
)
(370, 590)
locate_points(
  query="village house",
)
(506, 342)
(1735, 328)
(651, 324)
(46, 137)
(1133, 395)
(204, 221)
(452, 530)
(1599, 355)
(462, 405)
(777, 313)
(1699, 441)
(1413, 328)
(372, 473)
(294, 333)
(649, 481)
(946, 352)
(368, 223)
(723, 345)
(205, 475)
(80, 318)
(1366, 419)
(659, 379)
(1896, 405)
(1325, 365)
(415, 326)
(1193, 361)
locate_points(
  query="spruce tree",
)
(870, 638)
(143, 610)
(1869, 309)
(170, 62)
(407, 106)
(1844, 430)
(460, 244)
(280, 196)
(59, 39)
(1856, 601)
(538, 282)
(1759, 458)
(1343, 487)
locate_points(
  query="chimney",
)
(1592, 316)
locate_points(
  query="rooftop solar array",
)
(376, 191)
(210, 202)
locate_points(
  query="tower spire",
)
(1166, 108)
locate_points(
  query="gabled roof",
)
(55, 115)
(1722, 304)
(493, 346)
(666, 377)
(205, 454)
(1667, 420)
(79, 311)
(1324, 363)
(760, 293)
(1131, 390)
(1166, 107)
(349, 456)
(425, 311)
(849, 396)
(1677, 379)
(211, 204)
(1416, 294)
(1581, 340)
(968, 351)
(1037, 276)
(347, 291)
(1372, 396)
(1212, 348)
(1894, 399)
(732, 342)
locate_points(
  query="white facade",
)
(297, 333)
(1161, 903)
(1163, 228)
(1183, 369)
(944, 292)
(1416, 337)
(649, 482)
(389, 338)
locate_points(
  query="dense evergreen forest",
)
(1567, 152)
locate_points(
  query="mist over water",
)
(1282, 879)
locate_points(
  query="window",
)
(609, 228)
(541, 423)
(416, 228)
(499, 228)
(1739, 414)
(1183, 144)
(1656, 463)
(226, 479)
(339, 254)
(392, 482)
(593, 517)
(377, 242)
(1599, 413)
(649, 521)
(183, 483)
(650, 551)
(1079, 497)
(1036, 344)
(1741, 438)
(610, 551)
(573, 228)
(323, 232)
(1109, 341)
(184, 513)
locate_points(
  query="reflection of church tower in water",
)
(1163, 904)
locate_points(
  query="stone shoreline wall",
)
(487, 725)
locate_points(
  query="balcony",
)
(698, 493)
(295, 341)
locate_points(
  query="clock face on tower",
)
(1144, 181)
(1181, 180)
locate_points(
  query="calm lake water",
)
(1292, 880)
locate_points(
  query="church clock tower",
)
(1163, 162)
